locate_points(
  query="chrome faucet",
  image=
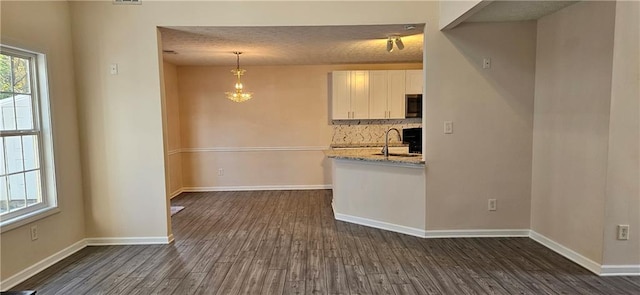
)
(385, 149)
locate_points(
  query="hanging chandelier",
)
(237, 95)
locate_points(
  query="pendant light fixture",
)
(397, 40)
(238, 95)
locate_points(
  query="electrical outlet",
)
(493, 204)
(623, 232)
(220, 172)
(486, 63)
(113, 69)
(34, 232)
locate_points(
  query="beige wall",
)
(120, 121)
(501, 108)
(489, 154)
(288, 119)
(45, 27)
(571, 125)
(172, 102)
(121, 115)
(622, 191)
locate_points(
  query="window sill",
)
(17, 222)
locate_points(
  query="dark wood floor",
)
(287, 242)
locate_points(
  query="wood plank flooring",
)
(287, 242)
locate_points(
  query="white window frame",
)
(43, 130)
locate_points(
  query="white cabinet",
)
(373, 94)
(414, 82)
(350, 95)
(386, 94)
(341, 95)
(359, 94)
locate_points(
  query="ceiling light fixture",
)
(237, 95)
(397, 40)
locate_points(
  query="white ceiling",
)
(502, 11)
(290, 45)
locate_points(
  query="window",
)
(24, 137)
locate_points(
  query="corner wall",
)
(488, 156)
(623, 166)
(571, 126)
(45, 27)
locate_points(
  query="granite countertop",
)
(367, 154)
(367, 145)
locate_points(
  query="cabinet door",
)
(340, 95)
(413, 82)
(396, 95)
(359, 94)
(378, 91)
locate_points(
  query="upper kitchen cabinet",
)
(387, 94)
(414, 82)
(350, 95)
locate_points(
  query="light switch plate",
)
(448, 127)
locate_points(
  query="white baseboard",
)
(257, 188)
(477, 233)
(620, 270)
(417, 232)
(176, 193)
(421, 233)
(41, 265)
(128, 241)
(576, 257)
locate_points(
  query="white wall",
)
(571, 125)
(45, 27)
(623, 166)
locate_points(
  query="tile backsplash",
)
(348, 132)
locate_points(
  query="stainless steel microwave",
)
(413, 106)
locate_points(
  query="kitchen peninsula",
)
(386, 193)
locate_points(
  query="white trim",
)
(25, 219)
(417, 232)
(173, 152)
(176, 193)
(255, 149)
(576, 257)
(257, 188)
(41, 265)
(468, 233)
(477, 233)
(620, 270)
(128, 241)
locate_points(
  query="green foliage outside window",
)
(13, 76)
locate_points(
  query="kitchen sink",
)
(408, 155)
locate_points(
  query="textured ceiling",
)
(501, 11)
(290, 45)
